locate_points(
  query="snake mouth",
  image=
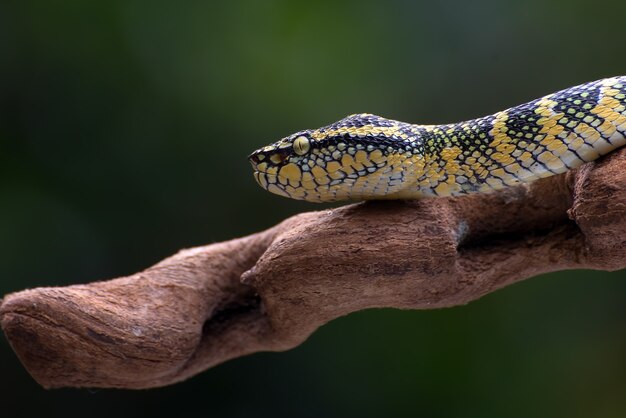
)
(271, 183)
(254, 158)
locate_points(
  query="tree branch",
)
(271, 290)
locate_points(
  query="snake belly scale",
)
(364, 156)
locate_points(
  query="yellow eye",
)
(301, 145)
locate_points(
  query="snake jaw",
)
(268, 162)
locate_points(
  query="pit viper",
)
(365, 156)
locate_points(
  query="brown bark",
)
(271, 290)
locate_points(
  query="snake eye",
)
(301, 145)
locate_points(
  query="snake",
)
(368, 157)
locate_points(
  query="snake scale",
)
(364, 156)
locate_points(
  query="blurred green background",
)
(124, 131)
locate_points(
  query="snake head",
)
(279, 167)
(358, 157)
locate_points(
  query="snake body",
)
(364, 156)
